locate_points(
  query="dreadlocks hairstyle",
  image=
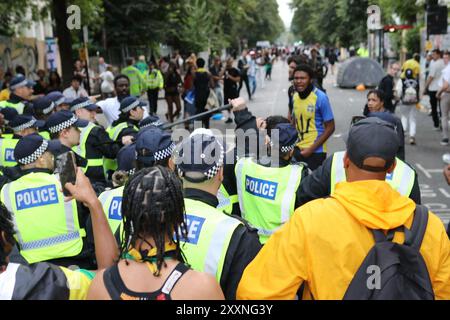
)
(153, 206)
(7, 227)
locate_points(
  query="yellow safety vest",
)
(209, 235)
(7, 147)
(46, 226)
(81, 148)
(110, 165)
(226, 201)
(111, 201)
(19, 106)
(154, 79)
(402, 179)
(266, 195)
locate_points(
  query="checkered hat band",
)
(80, 105)
(35, 155)
(131, 106)
(211, 173)
(288, 148)
(60, 101)
(20, 84)
(155, 124)
(49, 109)
(26, 125)
(64, 125)
(165, 153)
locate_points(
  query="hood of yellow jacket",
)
(374, 203)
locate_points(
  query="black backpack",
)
(393, 271)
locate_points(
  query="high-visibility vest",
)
(111, 201)
(154, 79)
(81, 148)
(19, 106)
(113, 132)
(46, 226)
(226, 201)
(401, 179)
(7, 147)
(209, 236)
(266, 194)
(45, 135)
(137, 84)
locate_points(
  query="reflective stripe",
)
(216, 245)
(264, 232)
(406, 181)
(290, 193)
(337, 170)
(48, 242)
(8, 205)
(239, 167)
(68, 210)
(95, 162)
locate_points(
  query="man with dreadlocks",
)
(46, 281)
(218, 244)
(150, 267)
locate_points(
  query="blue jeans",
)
(252, 81)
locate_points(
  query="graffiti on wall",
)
(19, 51)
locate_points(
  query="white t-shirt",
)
(111, 109)
(70, 94)
(436, 68)
(107, 82)
(445, 76)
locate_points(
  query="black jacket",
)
(98, 145)
(318, 184)
(243, 248)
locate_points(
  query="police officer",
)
(322, 182)
(137, 82)
(111, 200)
(268, 190)
(21, 92)
(6, 115)
(153, 147)
(60, 101)
(64, 126)
(155, 82)
(218, 244)
(47, 227)
(22, 125)
(43, 107)
(95, 144)
(131, 112)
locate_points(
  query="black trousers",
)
(434, 110)
(244, 78)
(313, 162)
(200, 104)
(153, 100)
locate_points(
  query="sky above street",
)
(285, 11)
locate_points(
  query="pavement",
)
(425, 157)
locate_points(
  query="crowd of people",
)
(149, 217)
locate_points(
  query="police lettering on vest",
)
(115, 209)
(194, 226)
(261, 188)
(36, 197)
(9, 154)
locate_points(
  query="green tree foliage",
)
(345, 21)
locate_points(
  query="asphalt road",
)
(425, 156)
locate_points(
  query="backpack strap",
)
(173, 278)
(418, 227)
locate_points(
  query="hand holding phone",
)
(66, 169)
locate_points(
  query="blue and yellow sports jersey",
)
(309, 116)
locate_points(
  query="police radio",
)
(66, 169)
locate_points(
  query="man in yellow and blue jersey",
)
(312, 116)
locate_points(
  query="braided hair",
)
(7, 227)
(153, 206)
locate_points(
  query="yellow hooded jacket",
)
(325, 242)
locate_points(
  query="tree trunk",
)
(59, 8)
